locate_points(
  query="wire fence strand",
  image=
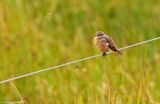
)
(72, 62)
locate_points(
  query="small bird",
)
(104, 43)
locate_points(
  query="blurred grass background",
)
(36, 34)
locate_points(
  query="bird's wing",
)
(111, 43)
(105, 41)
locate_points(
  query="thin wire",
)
(15, 102)
(72, 62)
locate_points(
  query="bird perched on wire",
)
(104, 43)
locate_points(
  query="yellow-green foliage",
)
(36, 34)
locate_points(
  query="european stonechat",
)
(105, 43)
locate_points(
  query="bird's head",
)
(99, 33)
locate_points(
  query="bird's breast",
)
(101, 45)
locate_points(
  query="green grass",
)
(36, 34)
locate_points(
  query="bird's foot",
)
(104, 54)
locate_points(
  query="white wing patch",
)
(107, 44)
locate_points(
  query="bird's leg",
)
(104, 54)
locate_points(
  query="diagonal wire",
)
(14, 102)
(72, 62)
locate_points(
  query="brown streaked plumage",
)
(104, 43)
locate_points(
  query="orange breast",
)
(100, 45)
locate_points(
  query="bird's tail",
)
(116, 50)
(119, 52)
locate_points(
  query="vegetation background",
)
(36, 34)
